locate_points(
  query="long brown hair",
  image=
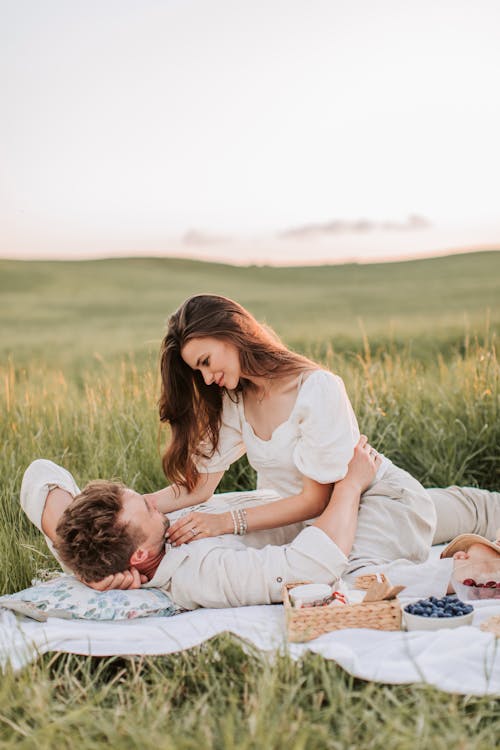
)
(194, 409)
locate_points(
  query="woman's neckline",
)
(300, 385)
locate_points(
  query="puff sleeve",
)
(231, 445)
(328, 429)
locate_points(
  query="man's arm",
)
(220, 576)
(46, 491)
(55, 505)
(227, 577)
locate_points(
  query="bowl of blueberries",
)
(434, 613)
(477, 580)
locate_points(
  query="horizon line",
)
(354, 260)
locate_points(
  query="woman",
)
(229, 386)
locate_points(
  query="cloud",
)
(196, 237)
(358, 226)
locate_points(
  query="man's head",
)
(107, 528)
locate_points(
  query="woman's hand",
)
(363, 465)
(199, 526)
(128, 579)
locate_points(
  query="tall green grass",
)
(440, 422)
(79, 385)
(221, 696)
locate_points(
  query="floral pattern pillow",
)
(66, 597)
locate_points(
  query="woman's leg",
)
(465, 510)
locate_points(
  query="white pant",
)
(462, 510)
(393, 543)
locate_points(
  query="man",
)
(108, 528)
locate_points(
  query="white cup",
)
(308, 593)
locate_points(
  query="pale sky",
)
(128, 124)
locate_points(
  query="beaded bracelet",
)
(235, 524)
(243, 524)
(240, 522)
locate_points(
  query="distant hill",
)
(67, 312)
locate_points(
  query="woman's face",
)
(216, 359)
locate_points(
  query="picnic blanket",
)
(465, 660)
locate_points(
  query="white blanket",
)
(464, 660)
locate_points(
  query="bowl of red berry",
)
(477, 580)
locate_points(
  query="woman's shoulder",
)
(320, 377)
(319, 387)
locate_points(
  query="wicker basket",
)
(306, 623)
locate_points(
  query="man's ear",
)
(139, 556)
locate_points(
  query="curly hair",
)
(191, 407)
(91, 539)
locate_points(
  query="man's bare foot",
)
(477, 565)
(476, 553)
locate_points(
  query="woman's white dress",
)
(397, 516)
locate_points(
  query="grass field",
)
(77, 313)
(416, 344)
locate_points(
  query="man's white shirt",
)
(221, 571)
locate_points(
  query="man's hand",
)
(199, 526)
(363, 465)
(129, 579)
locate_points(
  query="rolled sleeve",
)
(40, 477)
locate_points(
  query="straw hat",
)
(492, 625)
(462, 543)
